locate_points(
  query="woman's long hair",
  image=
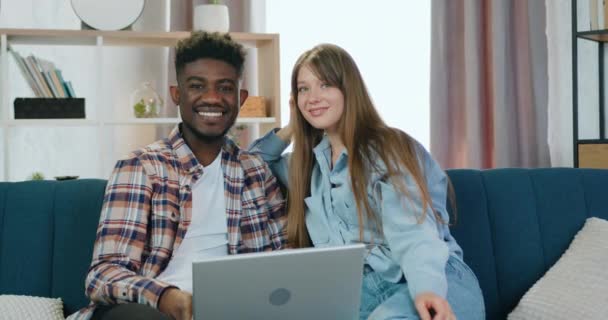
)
(364, 134)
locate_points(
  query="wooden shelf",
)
(594, 35)
(50, 122)
(118, 38)
(176, 120)
(266, 82)
(85, 122)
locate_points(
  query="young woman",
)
(351, 178)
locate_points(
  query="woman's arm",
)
(271, 146)
(416, 244)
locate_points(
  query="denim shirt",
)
(418, 251)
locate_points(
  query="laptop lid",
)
(310, 283)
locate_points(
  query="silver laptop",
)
(311, 283)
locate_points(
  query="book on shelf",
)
(32, 66)
(25, 72)
(45, 80)
(69, 89)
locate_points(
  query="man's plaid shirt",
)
(147, 210)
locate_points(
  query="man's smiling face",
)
(209, 98)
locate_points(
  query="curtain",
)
(559, 42)
(489, 84)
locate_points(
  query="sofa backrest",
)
(47, 231)
(514, 224)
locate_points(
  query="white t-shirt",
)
(207, 235)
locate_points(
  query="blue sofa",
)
(47, 231)
(513, 224)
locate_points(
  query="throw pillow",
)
(576, 287)
(26, 307)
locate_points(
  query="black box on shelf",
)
(49, 108)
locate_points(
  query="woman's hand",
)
(176, 303)
(427, 301)
(286, 132)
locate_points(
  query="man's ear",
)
(174, 90)
(244, 94)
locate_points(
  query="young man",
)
(192, 195)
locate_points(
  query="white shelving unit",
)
(102, 118)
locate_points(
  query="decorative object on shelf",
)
(49, 108)
(108, 14)
(146, 102)
(254, 107)
(212, 17)
(63, 178)
(36, 176)
(240, 135)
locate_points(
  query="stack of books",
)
(45, 80)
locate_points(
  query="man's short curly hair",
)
(200, 45)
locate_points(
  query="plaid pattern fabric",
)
(147, 211)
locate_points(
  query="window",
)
(389, 40)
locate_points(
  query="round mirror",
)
(108, 14)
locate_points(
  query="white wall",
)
(389, 40)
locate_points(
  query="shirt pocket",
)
(349, 213)
(165, 211)
(165, 219)
(254, 224)
(316, 223)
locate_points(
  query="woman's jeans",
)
(381, 299)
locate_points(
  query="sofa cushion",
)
(514, 224)
(27, 307)
(576, 287)
(47, 231)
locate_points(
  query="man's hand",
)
(176, 304)
(425, 302)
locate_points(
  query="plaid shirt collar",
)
(186, 157)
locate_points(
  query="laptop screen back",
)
(311, 283)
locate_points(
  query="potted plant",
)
(211, 17)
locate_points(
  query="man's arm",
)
(121, 236)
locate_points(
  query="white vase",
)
(211, 18)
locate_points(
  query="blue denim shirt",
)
(418, 251)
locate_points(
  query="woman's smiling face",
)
(321, 104)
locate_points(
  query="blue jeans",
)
(381, 299)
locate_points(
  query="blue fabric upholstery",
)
(47, 230)
(513, 224)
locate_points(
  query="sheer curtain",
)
(559, 41)
(489, 83)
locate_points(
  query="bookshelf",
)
(101, 118)
(589, 152)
